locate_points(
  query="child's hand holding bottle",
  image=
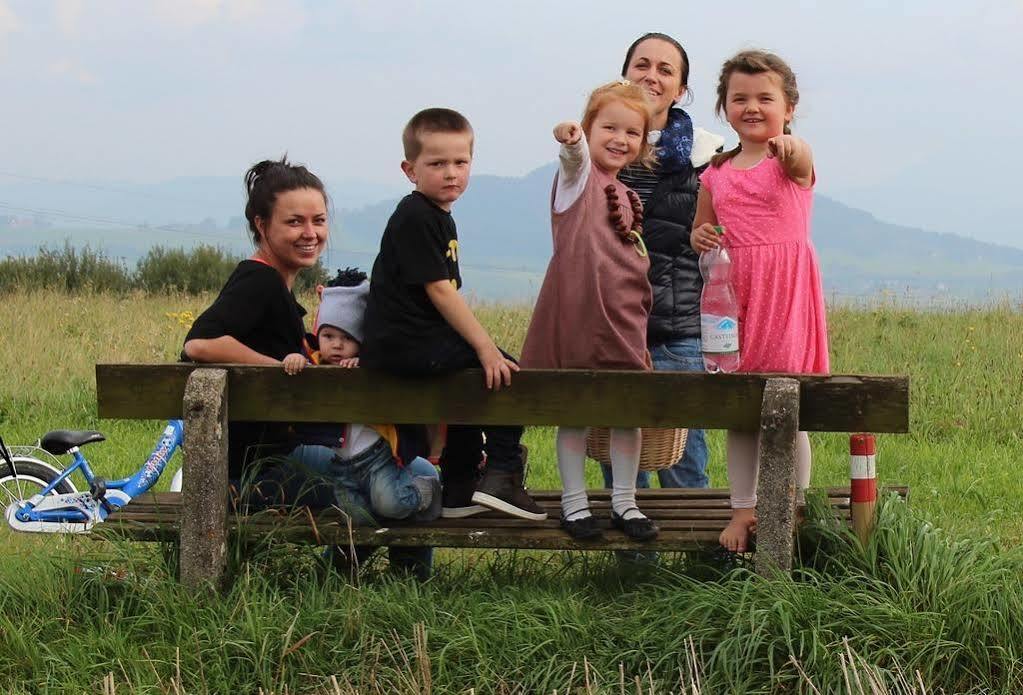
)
(706, 237)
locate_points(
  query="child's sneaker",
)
(457, 498)
(503, 492)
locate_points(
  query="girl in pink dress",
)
(595, 300)
(761, 193)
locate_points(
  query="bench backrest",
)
(850, 403)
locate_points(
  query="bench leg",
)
(204, 489)
(776, 489)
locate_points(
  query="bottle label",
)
(719, 333)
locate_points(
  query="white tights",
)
(571, 448)
(744, 466)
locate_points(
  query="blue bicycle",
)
(40, 496)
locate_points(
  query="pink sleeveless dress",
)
(592, 309)
(777, 280)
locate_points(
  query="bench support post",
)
(862, 485)
(776, 490)
(204, 488)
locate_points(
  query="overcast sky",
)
(913, 108)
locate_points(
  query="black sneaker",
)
(457, 498)
(502, 491)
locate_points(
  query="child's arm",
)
(496, 367)
(704, 237)
(573, 164)
(795, 158)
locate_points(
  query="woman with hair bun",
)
(256, 319)
(668, 190)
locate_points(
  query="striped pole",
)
(862, 484)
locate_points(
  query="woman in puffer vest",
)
(659, 63)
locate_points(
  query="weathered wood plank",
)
(685, 496)
(164, 510)
(537, 397)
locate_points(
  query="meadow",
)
(934, 605)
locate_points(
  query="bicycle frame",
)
(81, 510)
(5, 454)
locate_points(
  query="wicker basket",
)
(661, 448)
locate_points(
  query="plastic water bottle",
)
(719, 312)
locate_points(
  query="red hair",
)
(629, 95)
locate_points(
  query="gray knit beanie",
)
(344, 308)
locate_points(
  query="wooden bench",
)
(209, 396)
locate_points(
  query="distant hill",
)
(504, 225)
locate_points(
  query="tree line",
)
(162, 270)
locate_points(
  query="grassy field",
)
(938, 593)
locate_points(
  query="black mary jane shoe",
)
(584, 529)
(638, 529)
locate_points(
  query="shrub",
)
(193, 271)
(202, 269)
(67, 268)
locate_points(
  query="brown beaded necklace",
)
(617, 219)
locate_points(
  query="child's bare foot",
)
(736, 535)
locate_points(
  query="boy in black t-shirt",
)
(418, 324)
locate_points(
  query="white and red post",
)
(862, 484)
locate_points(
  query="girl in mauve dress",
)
(595, 300)
(761, 193)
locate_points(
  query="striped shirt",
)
(640, 179)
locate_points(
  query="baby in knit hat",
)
(360, 460)
(339, 324)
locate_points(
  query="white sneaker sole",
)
(498, 504)
(461, 512)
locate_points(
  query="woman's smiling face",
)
(656, 65)
(296, 232)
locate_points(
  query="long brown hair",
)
(753, 63)
(630, 95)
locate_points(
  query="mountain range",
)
(504, 229)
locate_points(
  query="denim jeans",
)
(681, 355)
(462, 455)
(371, 485)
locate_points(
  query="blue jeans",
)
(371, 485)
(680, 355)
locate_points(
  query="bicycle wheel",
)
(29, 477)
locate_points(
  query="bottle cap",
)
(719, 229)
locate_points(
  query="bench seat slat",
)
(685, 524)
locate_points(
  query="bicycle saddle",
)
(59, 442)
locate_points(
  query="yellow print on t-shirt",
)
(452, 253)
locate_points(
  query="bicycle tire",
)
(29, 477)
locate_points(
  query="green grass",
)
(936, 597)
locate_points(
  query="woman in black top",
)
(659, 63)
(256, 319)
